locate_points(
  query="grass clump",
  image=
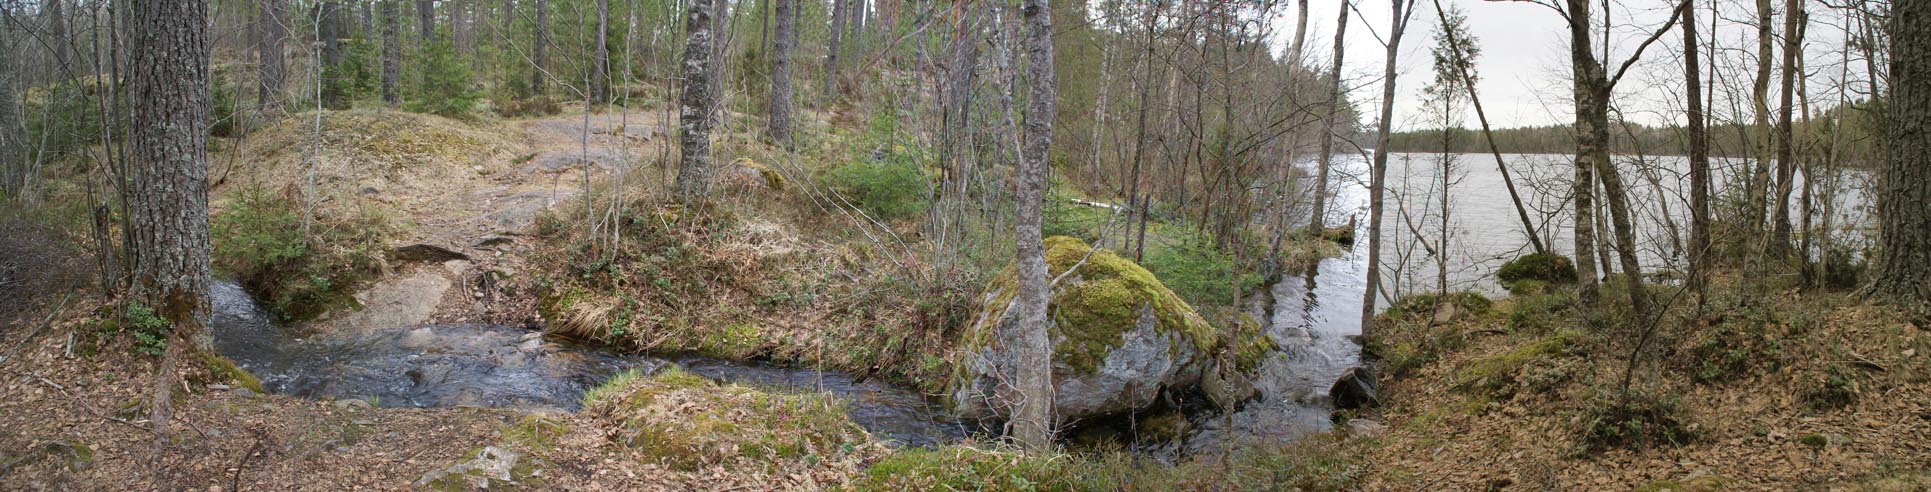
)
(1497, 375)
(1634, 419)
(686, 422)
(1201, 273)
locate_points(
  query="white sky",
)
(1524, 61)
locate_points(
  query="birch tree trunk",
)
(838, 12)
(1032, 419)
(696, 104)
(167, 198)
(600, 67)
(1377, 175)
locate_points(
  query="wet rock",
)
(395, 303)
(425, 252)
(1354, 390)
(491, 468)
(1120, 338)
(1228, 388)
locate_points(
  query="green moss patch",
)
(686, 422)
(1496, 374)
(1092, 312)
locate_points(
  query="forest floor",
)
(1819, 393)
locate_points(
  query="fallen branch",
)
(36, 331)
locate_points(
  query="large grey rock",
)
(1133, 340)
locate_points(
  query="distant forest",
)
(1726, 139)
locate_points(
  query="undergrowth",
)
(260, 241)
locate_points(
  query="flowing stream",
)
(1313, 316)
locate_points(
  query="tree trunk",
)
(1481, 115)
(1699, 150)
(391, 54)
(1793, 31)
(781, 43)
(1582, 186)
(13, 161)
(1759, 183)
(1032, 420)
(1378, 174)
(838, 10)
(425, 21)
(330, 33)
(600, 67)
(961, 69)
(1903, 274)
(270, 31)
(1140, 130)
(540, 49)
(1294, 51)
(1317, 222)
(167, 198)
(696, 104)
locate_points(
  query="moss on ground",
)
(686, 422)
(1493, 375)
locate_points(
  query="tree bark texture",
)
(540, 47)
(391, 54)
(1786, 156)
(1904, 201)
(1379, 171)
(697, 102)
(1699, 150)
(600, 67)
(1032, 418)
(784, 37)
(270, 31)
(838, 12)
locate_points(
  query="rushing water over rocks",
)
(512, 367)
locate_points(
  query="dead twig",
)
(36, 331)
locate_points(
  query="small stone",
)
(1363, 428)
(352, 402)
(244, 393)
(218, 387)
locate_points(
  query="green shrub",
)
(444, 87)
(892, 187)
(1835, 388)
(259, 240)
(1546, 267)
(1201, 274)
(150, 330)
(1746, 343)
(1609, 419)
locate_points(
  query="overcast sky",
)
(1524, 58)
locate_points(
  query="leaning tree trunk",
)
(1904, 201)
(167, 195)
(696, 104)
(1699, 160)
(1318, 219)
(391, 54)
(1032, 418)
(270, 31)
(780, 122)
(1755, 189)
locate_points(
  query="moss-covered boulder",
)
(1544, 267)
(1120, 337)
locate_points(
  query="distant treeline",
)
(1726, 140)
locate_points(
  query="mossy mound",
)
(687, 422)
(1093, 309)
(1545, 267)
(1120, 337)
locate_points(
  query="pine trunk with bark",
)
(391, 53)
(270, 31)
(425, 21)
(1032, 418)
(1699, 150)
(14, 170)
(1903, 274)
(167, 198)
(697, 102)
(330, 32)
(1786, 155)
(540, 47)
(784, 38)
